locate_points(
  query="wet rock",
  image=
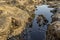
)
(18, 37)
(54, 10)
(58, 10)
(41, 20)
(54, 30)
(56, 17)
(52, 6)
(30, 22)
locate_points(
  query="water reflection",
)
(37, 32)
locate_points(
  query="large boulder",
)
(12, 21)
(53, 31)
(14, 15)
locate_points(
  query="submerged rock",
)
(41, 20)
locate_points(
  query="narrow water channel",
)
(39, 32)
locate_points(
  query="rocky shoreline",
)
(14, 15)
(53, 30)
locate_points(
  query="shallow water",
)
(37, 32)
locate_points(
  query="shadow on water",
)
(36, 32)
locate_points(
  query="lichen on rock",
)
(53, 30)
(14, 15)
(6, 20)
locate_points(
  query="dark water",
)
(36, 32)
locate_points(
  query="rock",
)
(14, 15)
(56, 17)
(41, 20)
(53, 31)
(4, 27)
(54, 10)
(30, 22)
(6, 24)
(52, 5)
